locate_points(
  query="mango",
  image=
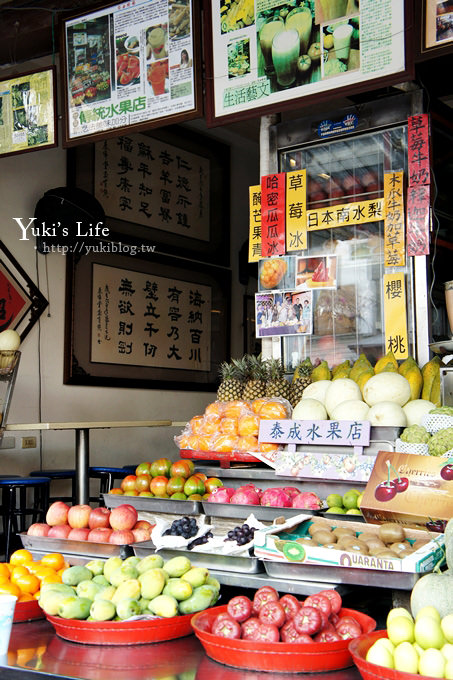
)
(321, 372)
(88, 589)
(359, 365)
(123, 573)
(110, 565)
(50, 599)
(178, 588)
(96, 566)
(406, 365)
(144, 602)
(341, 370)
(201, 598)
(149, 562)
(75, 607)
(196, 576)
(73, 575)
(212, 581)
(106, 593)
(384, 363)
(163, 572)
(127, 589)
(100, 578)
(127, 607)
(177, 566)
(415, 380)
(102, 610)
(164, 605)
(133, 560)
(152, 583)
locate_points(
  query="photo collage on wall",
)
(284, 303)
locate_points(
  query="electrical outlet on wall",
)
(29, 442)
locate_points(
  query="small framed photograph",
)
(283, 313)
(316, 272)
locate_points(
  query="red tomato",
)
(335, 599)
(227, 628)
(319, 602)
(327, 636)
(266, 632)
(348, 629)
(263, 595)
(291, 605)
(308, 620)
(239, 608)
(272, 612)
(249, 627)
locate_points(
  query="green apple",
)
(398, 611)
(385, 642)
(429, 610)
(405, 658)
(447, 650)
(432, 663)
(400, 629)
(448, 672)
(447, 627)
(380, 655)
(428, 633)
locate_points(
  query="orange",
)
(28, 583)
(193, 442)
(184, 441)
(21, 556)
(196, 423)
(51, 578)
(257, 404)
(9, 589)
(233, 409)
(4, 579)
(225, 443)
(4, 570)
(273, 409)
(216, 408)
(37, 595)
(26, 597)
(54, 560)
(33, 566)
(210, 425)
(204, 443)
(249, 424)
(17, 572)
(41, 572)
(267, 447)
(229, 425)
(248, 443)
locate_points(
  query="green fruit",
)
(88, 589)
(405, 658)
(196, 576)
(75, 607)
(95, 566)
(133, 560)
(350, 499)
(144, 602)
(100, 578)
(432, 663)
(149, 562)
(178, 588)
(447, 627)
(448, 672)
(211, 581)
(73, 575)
(400, 629)
(385, 642)
(127, 589)
(428, 610)
(50, 600)
(380, 655)
(127, 607)
(152, 583)
(177, 566)
(179, 496)
(447, 651)
(201, 598)
(294, 552)
(336, 510)
(123, 573)
(110, 565)
(428, 633)
(334, 500)
(164, 605)
(398, 611)
(102, 610)
(353, 511)
(106, 593)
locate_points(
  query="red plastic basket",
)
(27, 611)
(371, 671)
(122, 632)
(276, 656)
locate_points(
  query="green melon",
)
(432, 589)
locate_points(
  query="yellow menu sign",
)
(345, 214)
(394, 251)
(395, 315)
(255, 223)
(296, 210)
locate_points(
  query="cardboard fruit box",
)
(413, 490)
(282, 543)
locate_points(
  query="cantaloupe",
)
(434, 588)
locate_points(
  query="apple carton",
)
(416, 491)
(281, 543)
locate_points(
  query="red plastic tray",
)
(122, 632)
(27, 611)
(371, 671)
(276, 656)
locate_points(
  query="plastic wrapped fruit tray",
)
(276, 656)
(27, 611)
(138, 632)
(371, 671)
(261, 512)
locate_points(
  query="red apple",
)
(116, 491)
(99, 535)
(38, 529)
(57, 514)
(99, 517)
(143, 524)
(141, 535)
(78, 534)
(123, 517)
(59, 531)
(158, 485)
(121, 537)
(78, 516)
(128, 483)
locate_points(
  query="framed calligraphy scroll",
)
(133, 65)
(170, 187)
(145, 321)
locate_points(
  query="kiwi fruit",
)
(358, 546)
(332, 546)
(317, 526)
(401, 548)
(306, 540)
(388, 553)
(322, 536)
(368, 537)
(343, 531)
(344, 541)
(390, 532)
(376, 546)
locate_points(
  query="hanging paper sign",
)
(418, 150)
(346, 214)
(254, 223)
(273, 214)
(395, 315)
(418, 220)
(296, 210)
(394, 253)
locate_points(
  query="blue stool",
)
(107, 477)
(16, 507)
(130, 469)
(57, 475)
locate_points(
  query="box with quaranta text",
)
(409, 489)
(349, 544)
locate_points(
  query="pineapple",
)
(254, 372)
(301, 379)
(231, 387)
(277, 385)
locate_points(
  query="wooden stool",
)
(16, 507)
(57, 475)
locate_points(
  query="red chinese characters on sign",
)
(418, 150)
(417, 228)
(273, 214)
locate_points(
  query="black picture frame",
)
(216, 250)
(21, 302)
(79, 369)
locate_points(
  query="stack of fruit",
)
(120, 526)
(277, 497)
(166, 479)
(25, 577)
(345, 504)
(118, 589)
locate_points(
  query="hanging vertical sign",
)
(418, 150)
(394, 253)
(273, 214)
(296, 210)
(395, 315)
(418, 195)
(418, 220)
(254, 223)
